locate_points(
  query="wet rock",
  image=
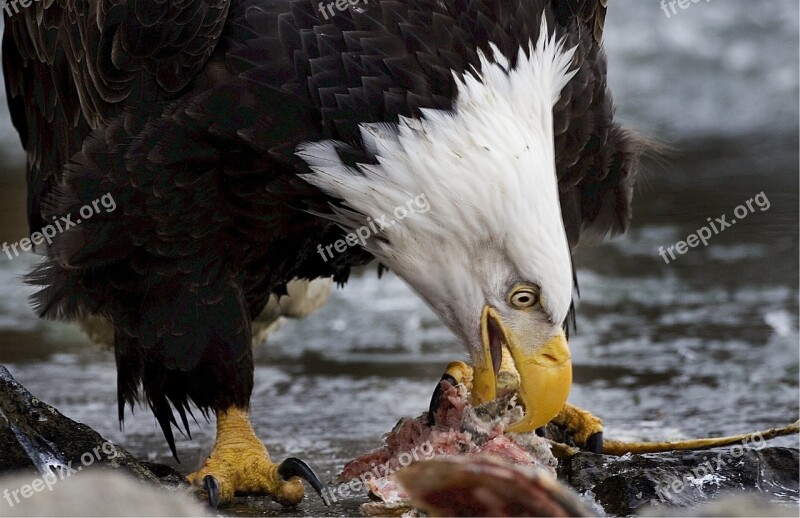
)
(37, 439)
(626, 485)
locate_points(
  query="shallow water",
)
(705, 345)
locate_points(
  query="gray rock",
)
(37, 439)
(626, 485)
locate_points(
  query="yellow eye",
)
(524, 297)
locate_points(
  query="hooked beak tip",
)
(545, 371)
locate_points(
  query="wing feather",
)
(71, 67)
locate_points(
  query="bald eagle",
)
(239, 138)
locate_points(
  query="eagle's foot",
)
(585, 428)
(240, 464)
(456, 373)
(459, 373)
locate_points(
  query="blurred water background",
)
(704, 345)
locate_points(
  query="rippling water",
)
(704, 345)
(722, 67)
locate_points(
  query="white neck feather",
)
(487, 170)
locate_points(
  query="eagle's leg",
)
(585, 428)
(240, 464)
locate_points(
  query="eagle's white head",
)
(490, 255)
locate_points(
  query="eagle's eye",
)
(524, 297)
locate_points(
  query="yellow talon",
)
(460, 372)
(580, 423)
(507, 379)
(240, 464)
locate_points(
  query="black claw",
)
(437, 396)
(212, 488)
(294, 467)
(594, 443)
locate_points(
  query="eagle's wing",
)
(591, 13)
(596, 159)
(72, 66)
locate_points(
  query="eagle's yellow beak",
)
(545, 371)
